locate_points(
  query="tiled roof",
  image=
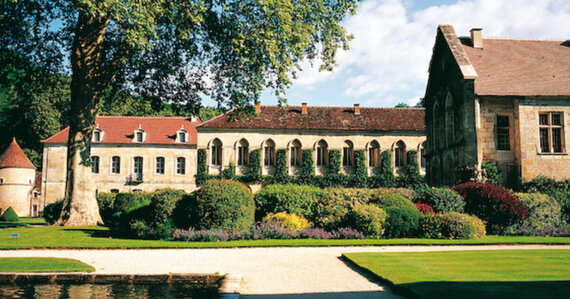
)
(520, 67)
(120, 129)
(324, 118)
(13, 156)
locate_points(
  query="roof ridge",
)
(151, 117)
(519, 38)
(361, 107)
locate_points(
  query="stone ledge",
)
(208, 280)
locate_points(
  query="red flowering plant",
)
(425, 208)
(495, 205)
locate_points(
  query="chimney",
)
(477, 37)
(258, 107)
(356, 109)
(192, 120)
(304, 108)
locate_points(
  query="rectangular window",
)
(182, 137)
(97, 136)
(95, 164)
(551, 132)
(160, 165)
(116, 165)
(503, 137)
(139, 137)
(180, 165)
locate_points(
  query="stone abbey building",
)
(148, 153)
(498, 100)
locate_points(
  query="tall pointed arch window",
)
(296, 153)
(347, 154)
(216, 152)
(243, 153)
(449, 119)
(374, 154)
(322, 153)
(400, 154)
(269, 153)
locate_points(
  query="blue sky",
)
(389, 57)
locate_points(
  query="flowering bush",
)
(369, 219)
(544, 216)
(461, 226)
(289, 221)
(424, 208)
(430, 227)
(442, 200)
(495, 205)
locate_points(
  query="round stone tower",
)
(17, 175)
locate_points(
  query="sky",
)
(389, 56)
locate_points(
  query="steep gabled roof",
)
(323, 118)
(120, 129)
(13, 156)
(520, 67)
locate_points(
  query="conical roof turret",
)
(13, 156)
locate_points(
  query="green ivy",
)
(359, 164)
(281, 169)
(385, 176)
(202, 171)
(229, 173)
(254, 173)
(411, 177)
(334, 162)
(490, 172)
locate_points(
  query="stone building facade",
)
(17, 182)
(229, 138)
(129, 154)
(497, 100)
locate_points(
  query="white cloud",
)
(388, 60)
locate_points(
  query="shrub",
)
(430, 227)
(332, 207)
(126, 201)
(544, 214)
(369, 219)
(424, 208)
(224, 204)
(462, 226)
(202, 169)
(442, 200)
(9, 216)
(281, 168)
(495, 205)
(52, 211)
(334, 162)
(402, 221)
(490, 172)
(296, 199)
(159, 223)
(254, 173)
(289, 221)
(391, 198)
(559, 190)
(106, 202)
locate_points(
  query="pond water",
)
(113, 290)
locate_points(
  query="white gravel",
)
(300, 272)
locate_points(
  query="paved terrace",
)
(309, 272)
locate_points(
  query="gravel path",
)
(285, 272)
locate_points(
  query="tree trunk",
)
(88, 83)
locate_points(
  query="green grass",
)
(23, 221)
(474, 274)
(97, 237)
(42, 264)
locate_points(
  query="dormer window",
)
(140, 135)
(182, 135)
(97, 134)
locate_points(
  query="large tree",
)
(177, 51)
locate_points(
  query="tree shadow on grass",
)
(94, 233)
(491, 289)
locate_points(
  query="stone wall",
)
(15, 191)
(308, 140)
(54, 168)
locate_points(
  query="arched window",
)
(449, 119)
(423, 155)
(374, 154)
(116, 165)
(180, 165)
(400, 154)
(269, 153)
(322, 153)
(216, 152)
(243, 153)
(347, 154)
(296, 153)
(159, 165)
(434, 124)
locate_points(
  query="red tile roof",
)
(520, 67)
(120, 129)
(13, 156)
(324, 118)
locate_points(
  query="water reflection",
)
(116, 290)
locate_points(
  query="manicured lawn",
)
(24, 221)
(97, 237)
(474, 274)
(42, 264)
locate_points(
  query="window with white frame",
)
(551, 130)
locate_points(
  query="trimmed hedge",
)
(462, 226)
(158, 223)
(52, 211)
(9, 216)
(367, 218)
(295, 199)
(224, 204)
(106, 205)
(495, 205)
(442, 200)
